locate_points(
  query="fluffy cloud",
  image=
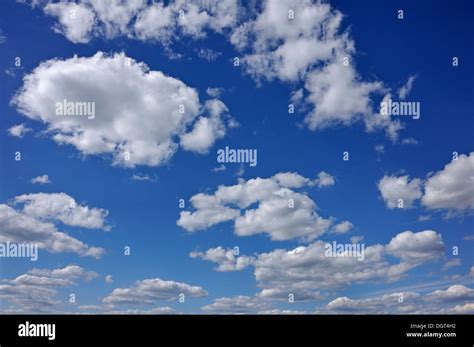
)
(279, 311)
(463, 309)
(294, 40)
(80, 21)
(439, 301)
(114, 16)
(75, 21)
(405, 89)
(206, 130)
(453, 187)
(342, 228)
(416, 247)
(454, 293)
(305, 270)
(34, 223)
(236, 305)
(290, 40)
(245, 305)
(324, 179)
(284, 47)
(226, 259)
(282, 213)
(149, 291)
(69, 272)
(19, 130)
(43, 179)
(388, 303)
(34, 291)
(108, 310)
(393, 188)
(139, 116)
(339, 98)
(63, 208)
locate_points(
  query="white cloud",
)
(201, 15)
(69, 272)
(357, 239)
(289, 40)
(279, 311)
(35, 291)
(463, 309)
(305, 270)
(43, 179)
(236, 305)
(152, 311)
(111, 309)
(451, 263)
(342, 228)
(153, 23)
(208, 54)
(226, 259)
(145, 177)
(115, 16)
(140, 114)
(298, 294)
(19, 130)
(62, 207)
(376, 121)
(149, 291)
(291, 180)
(388, 303)
(207, 130)
(393, 188)
(379, 149)
(339, 98)
(219, 168)
(109, 279)
(286, 48)
(453, 294)
(405, 89)
(440, 301)
(282, 213)
(294, 40)
(208, 214)
(297, 96)
(409, 141)
(324, 179)
(75, 21)
(82, 20)
(453, 187)
(214, 92)
(275, 217)
(416, 247)
(16, 226)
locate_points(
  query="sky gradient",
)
(168, 96)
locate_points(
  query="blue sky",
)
(143, 214)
